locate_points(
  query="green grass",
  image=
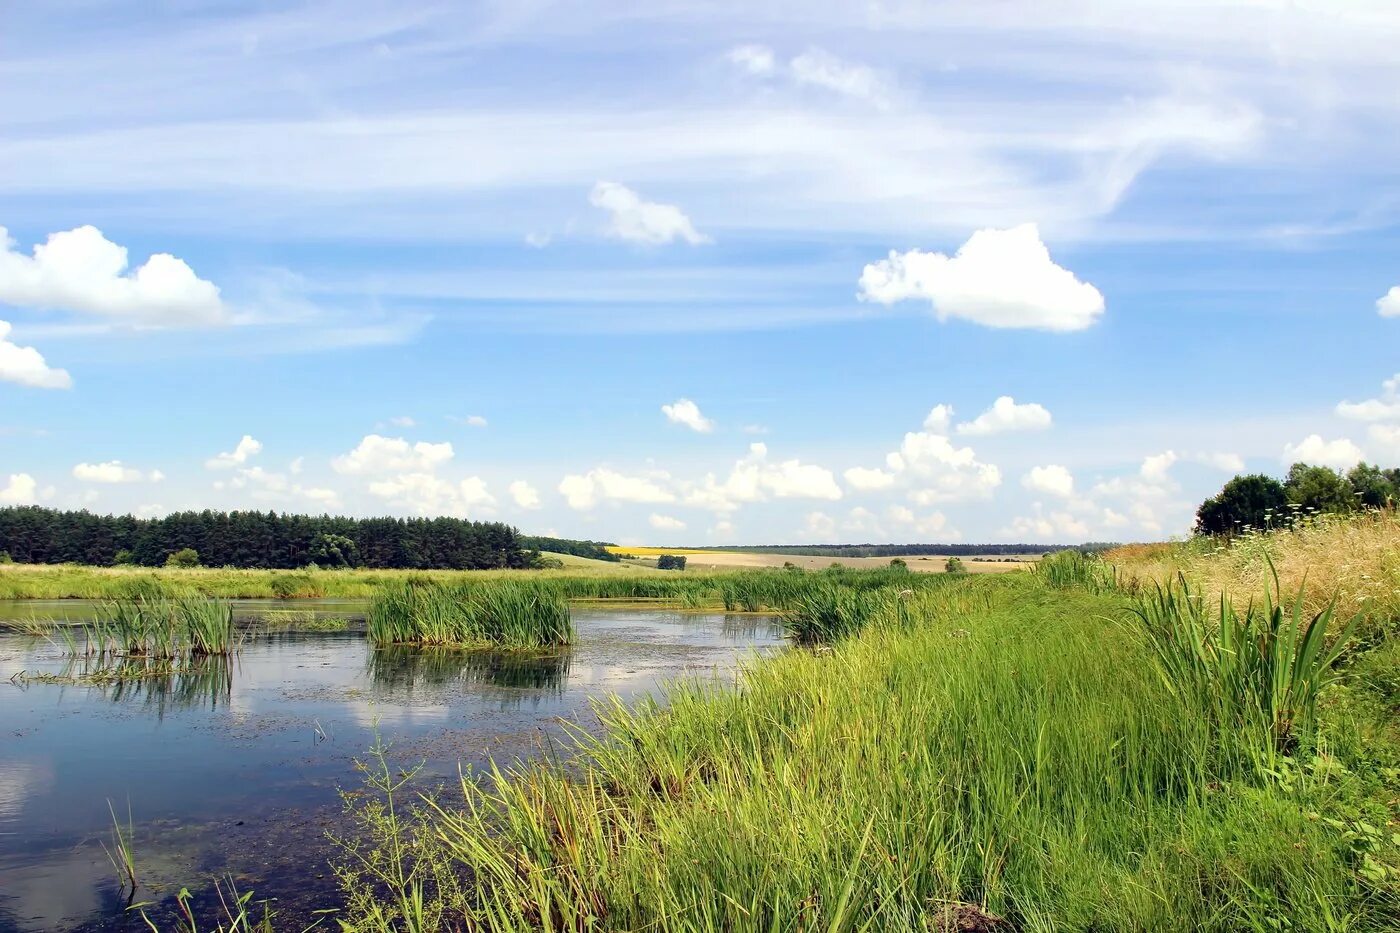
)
(999, 742)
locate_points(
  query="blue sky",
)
(698, 273)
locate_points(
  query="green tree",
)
(1374, 488)
(954, 565)
(1253, 501)
(184, 557)
(332, 550)
(899, 564)
(670, 562)
(1319, 489)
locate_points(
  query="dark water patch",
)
(235, 767)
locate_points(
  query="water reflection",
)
(399, 670)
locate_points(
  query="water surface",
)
(235, 767)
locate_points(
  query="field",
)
(993, 753)
(698, 559)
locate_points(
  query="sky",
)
(697, 272)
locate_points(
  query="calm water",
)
(235, 768)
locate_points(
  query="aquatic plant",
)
(502, 613)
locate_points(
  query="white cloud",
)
(297, 465)
(1385, 438)
(376, 454)
(81, 270)
(1006, 415)
(684, 411)
(524, 495)
(1340, 453)
(112, 472)
(999, 278)
(944, 473)
(536, 240)
(665, 522)
(1156, 467)
(428, 494)
(755, 59)
(820, 68)
(1221, 460)
(933, 523)
(865, 479)
(939, 418)
(247, 447)
(1386, 407)
(819, 525)
(639, 221)
(475, 421)
(26, 365)
(1048, 527)
(20, 490)
(267, 486)
(1052, 479)
(584, 491)
(756, 479)
(756, 429)
(1388, 305)
(403, 421)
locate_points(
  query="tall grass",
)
(156, 625)
(1260, 669)
(501, 613)
(998, 746)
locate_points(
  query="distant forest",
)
(906, 550)
(30, 534)
(597, 550)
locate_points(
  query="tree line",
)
(32, 534)
(1258, 501)
(905, 550)
(597, 550)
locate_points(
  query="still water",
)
(235, 768)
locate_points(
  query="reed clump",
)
(498, 613)
(155, 625)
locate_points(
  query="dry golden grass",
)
(1355, 558)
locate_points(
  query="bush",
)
(670, 562)
(5, 558)
(898, 564)
(954, 565)
(185, 557)
(1255, 501)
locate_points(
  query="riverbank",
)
(1001, 754)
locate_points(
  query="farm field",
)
(700, 559)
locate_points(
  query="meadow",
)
(1071, 749)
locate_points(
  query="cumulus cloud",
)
(639, 221)
(1388, 305)
(819, 525)
(1385, 407)
(20, 489)
(1052, 479)
(584, 491)
(113, 471)
(268, 486)
(938, 419)
(26, 365)
(684, 411)
(524, 495)
(403, 421)
(1048, 527)
(247, 447)
(932, 523)
(81, 270)
(1006, 415)
(1156, 467)
(376, 454)
(866, 479)
(665, 522)
(1221, 460)
(471, 421)
(756, 479)
(941, 471)
(999, 278)
(1340, 453)
(429, 494)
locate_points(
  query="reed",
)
(498, 613)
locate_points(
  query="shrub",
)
(954, 565)
(185, 557)
(1255, 501)
(670, 562)
(899, 564)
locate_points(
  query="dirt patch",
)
(967, 918)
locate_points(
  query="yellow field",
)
(743, 560)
